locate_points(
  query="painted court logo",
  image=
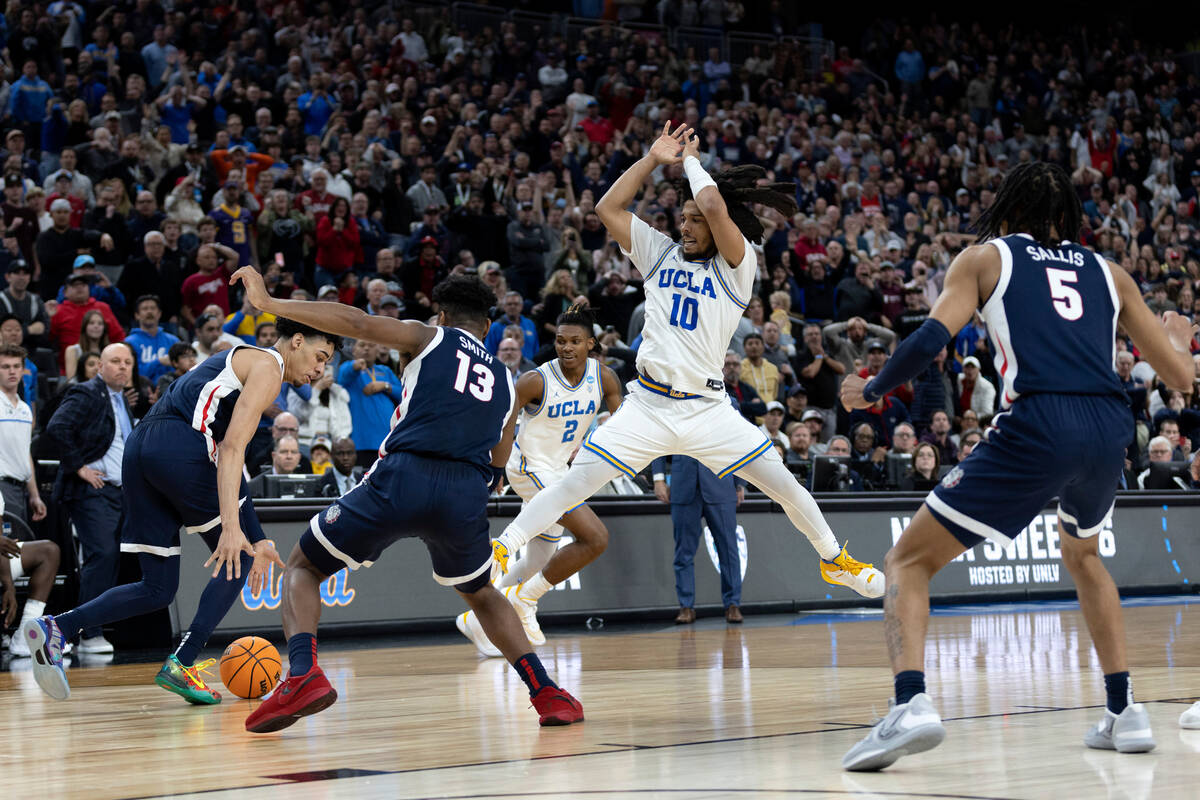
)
(332, 513)
(952, 478)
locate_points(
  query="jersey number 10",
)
(685, 312)
(481, 387)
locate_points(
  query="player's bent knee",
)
(475, 591)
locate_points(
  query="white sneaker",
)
(913, 727)
(1127, 732)
(845, 570)
(1190, 719)
(527, 612)
(17, 647)
(96, 645)
(468, 625)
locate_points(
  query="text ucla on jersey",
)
(1052, 320)
(550, 430)
(692, 310)
(456, 398)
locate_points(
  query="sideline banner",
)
(1149, 547)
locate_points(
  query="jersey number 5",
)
(484, 378)
(1068, 302)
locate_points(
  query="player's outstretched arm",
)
(954, 307)
(260, 387)
(726, 235)
(407, 336)
(1166, 344)
(613, 207)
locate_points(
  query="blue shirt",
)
(370, 416)
(177, 118)
(154, 56)
(110, 462)
(910, 67)
(27, 103)
(150, 349)
(30, 382)
(316, 111)
(496, 333)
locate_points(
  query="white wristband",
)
(697, 176)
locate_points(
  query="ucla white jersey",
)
(692, 311)
(549, 432)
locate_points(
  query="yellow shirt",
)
(764, 378)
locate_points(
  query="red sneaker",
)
(557, 707)
(292, 699)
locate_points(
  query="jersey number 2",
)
(569, 430)
(1068, 302)
(484, 378)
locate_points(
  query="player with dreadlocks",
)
(696, 292)
(1053, 309)
(558, 402)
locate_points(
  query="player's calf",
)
(503, 628)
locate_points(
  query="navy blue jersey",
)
(1052, 320)
(205, 396)
(456, 398)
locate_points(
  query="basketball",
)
(250, 667)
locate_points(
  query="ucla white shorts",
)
(14, 565)
(527, 480)
(652, 423)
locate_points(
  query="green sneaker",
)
(186, 681)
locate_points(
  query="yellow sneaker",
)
(500, 555)
(846, 571)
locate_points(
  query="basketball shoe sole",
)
(45, 647)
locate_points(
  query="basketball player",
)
(450, 437)
(182, 466)
(1052, 309)
(559, 400)
(695, 295)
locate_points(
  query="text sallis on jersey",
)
(1072, 257)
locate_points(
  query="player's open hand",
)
(691, 145)
(256, 288)
(228, 553)
(264, 556)
(1180, 330)
(852, 393)
(668, 146)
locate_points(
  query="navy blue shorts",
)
(444, 503)
(168, 483)
(1048, 445)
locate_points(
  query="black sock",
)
(1119, 689)
(302, 654)
(530, 668)
(910, 682)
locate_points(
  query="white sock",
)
(537, 554)
(33, 609)
(534, 588)
(586, 475)
(769, 474)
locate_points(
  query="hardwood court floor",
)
(764, 710)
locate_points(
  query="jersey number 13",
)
(481, 387)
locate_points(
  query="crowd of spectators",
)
(357, 156)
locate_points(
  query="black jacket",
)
(83, 428)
